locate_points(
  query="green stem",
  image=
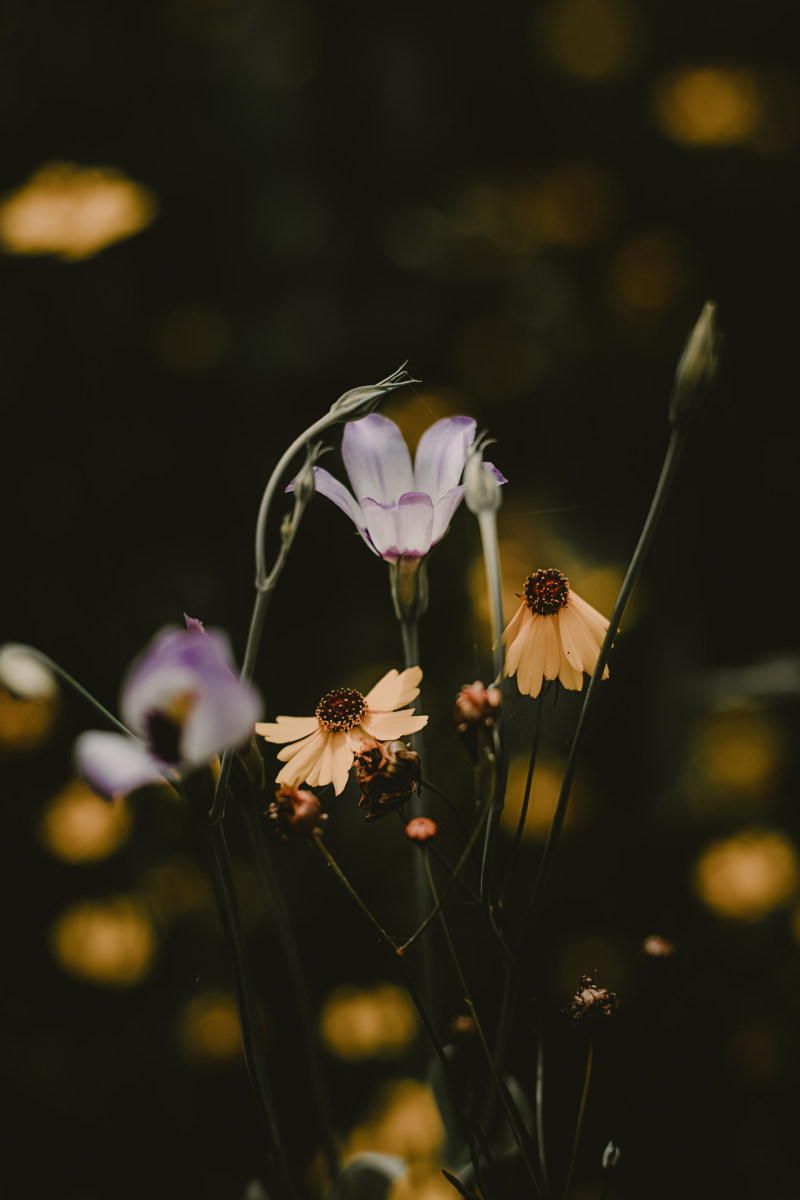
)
(540, 1109)
(224, 886)
(319, 845)
(487, 523)
(663, 487)
(518, 832)
(508, 1105)
(255, 831)
(76, 687)
(579, 1125)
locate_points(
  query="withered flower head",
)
(389, 774)
(589, 1000)
(421, 829)
(476, 710)
(295, 812)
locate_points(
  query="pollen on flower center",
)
(341, 709)
(546, 591)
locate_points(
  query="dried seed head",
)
(389, 774)
(295, 812)
(589, 1001)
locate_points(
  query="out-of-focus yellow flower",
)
(72, 212)
(366, 1022)
(404, 1121)
(77, 826)
(110, 942)
(708, 105)
(208, 1029)
(747, 876)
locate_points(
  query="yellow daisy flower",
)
(325, 745)
(554, 634)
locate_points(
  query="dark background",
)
(471, 188)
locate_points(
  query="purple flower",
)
(184, 702)
(400, 510)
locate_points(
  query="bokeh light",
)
(107, 942)
(25, 725)
(590, 40)
(651, 271)
(708, 105)
(208, 1030)
(500, 355)
(176, 888)
(748, 875)
(73, 212)
(575, 204)
(742, 750)
(368, 1022)
(543, 799)
(404, 1121)
(77, 826)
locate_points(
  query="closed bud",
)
(611, 1156)
(361, 401)
(482, 480)
(476, 712)
(697, 366)
(295, 812)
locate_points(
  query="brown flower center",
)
(546, 592)
(341, 709)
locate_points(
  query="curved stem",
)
(76, 687)
(255, 832)
(319, 845)
(579, 1125)
(663, 487)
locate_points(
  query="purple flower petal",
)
(190, 680)
(441, 454)
(402, 528)
(327, 485)
(443, 513)
(377, 460)
(193, 625)
(498, 474)
(114, 763)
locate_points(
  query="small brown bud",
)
(477, 708)
(421, 829)
(295, 812)
(389, 774)
(589, 1000)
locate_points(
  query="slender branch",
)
(319, 845)
(451, 808)
(663, 487)
(523, 814)
(224, 886)
(277, 904)
(579, 1125)
(487, 523)
(540, 1109)
(76, 687)
(509, 1107)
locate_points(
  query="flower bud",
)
(476, 710)
(697, 366)
(482, 480)
(421, 829)
(24, 675)
(389, 774)
(611, 1156)
(361, 401)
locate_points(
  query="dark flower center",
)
(546, 592)
(341, 709)
(165, 726)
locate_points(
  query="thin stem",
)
(540, 1109)
(409, 631)
(255, 831)
(316, 840)
(223, 883)
(448, 887)
(509, 1107)
(579, 1125)
(523, 814)
(451, 808)
(487, 523)
(663, 487)
(492, 826)
(76, 687)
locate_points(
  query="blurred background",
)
(215, 217)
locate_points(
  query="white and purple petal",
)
(327, 485)
(377, 459)
(443, 512)
(402, 528)
(113, 763)
(441, 454)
